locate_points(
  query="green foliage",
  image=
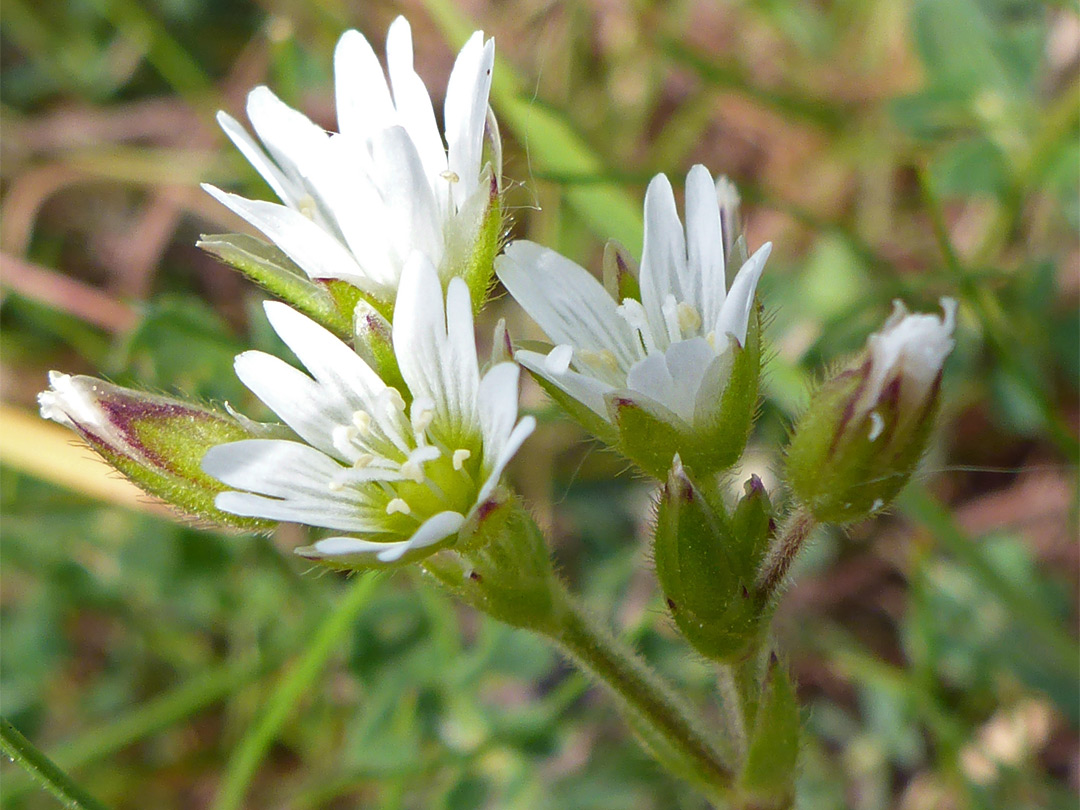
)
(138, 653)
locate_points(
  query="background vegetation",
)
(888, 149)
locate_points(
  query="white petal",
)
(735, 313)
(687, 362)
(355, 204)
(704, 244)
(652, 378)
(314, 250)
(287, 133)
(307, 512)
(433, 530)
(413, 102)
(275, 467)
(461, 368)
(566, 301)
(301, 403)
(334, 364)
(517, 436)
(918, 344)
(589, 391)
(362, 95)
(714, 380)
(286, 189)
(437, 363)
(412, 213)
(663, 254)
(465, 113)
(497, 401)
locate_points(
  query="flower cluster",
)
(393, 439)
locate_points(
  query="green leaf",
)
(769, 772)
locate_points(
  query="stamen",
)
(451, 177)
(421, 413)
(558, 359)
(335, 486)
(689, 320)
(671, 318)
(604, 357)
(363, 461)
(398, 506)
(393, 396)
(362, 421)
(633, 313)
(459, 458)
(307, 206)
(413, 470)
(877, 424)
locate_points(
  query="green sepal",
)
(650, 435)
(501, 565)
(768, 774)
(471, 252)
(589, 419)
(620, 273)
(752, 528)
(704, 571)
(849, 457)
(720, 435)
(374, 343)
(278, 274)
(348, 296)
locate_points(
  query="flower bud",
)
(866, 428)
(706, 563)
(155, 441)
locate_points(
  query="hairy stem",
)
(789, 542)
(658, 713)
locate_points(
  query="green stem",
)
(789, 542)
(54, 780)
(659, 714)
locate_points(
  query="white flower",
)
(404, 470)
(912, 348)
(357, 203)
(673, 347)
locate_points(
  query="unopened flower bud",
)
(157, 442)
(706, 562)
(866, 428)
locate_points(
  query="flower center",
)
(401, 468)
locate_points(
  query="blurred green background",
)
(911, 150)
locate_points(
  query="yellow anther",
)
(460, 457)
(307, 206)
(450, 176)
(362, 421)
(393, 396)
(604, 357)
(413, 470)
(363, 461)
(398, 506)
(689, 320)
